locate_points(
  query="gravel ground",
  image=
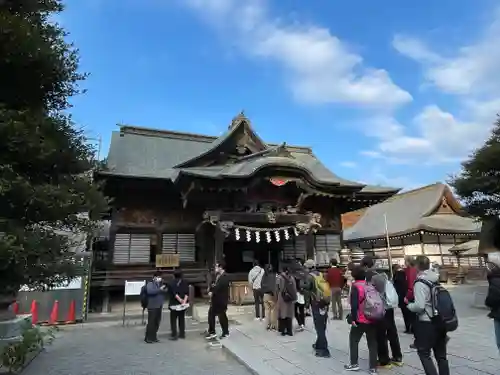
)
(110, 349)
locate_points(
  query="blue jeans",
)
(321, 344)
(496, 322)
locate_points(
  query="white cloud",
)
(472, 69)
(348, 164)
(436, 135)
(319, 67)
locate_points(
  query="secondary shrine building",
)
(425, 221)
(196, 199)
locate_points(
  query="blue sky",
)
(386, 92)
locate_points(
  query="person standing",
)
(401, 286)
(286, 292)
(319, 301)
(386, 328)
(178, 291)
(300, 276)
(155, 292)
(336, 281)
(428, 336)
(360, 325)
(410, 275)
(269, 291)
(493, 297)
(219, 298)
(255, 282)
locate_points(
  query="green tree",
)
(46, 186)
(478, 184)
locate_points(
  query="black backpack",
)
(287, 292)
(144, 296)
(444, 313)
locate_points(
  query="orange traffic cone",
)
(54, 313)
(15, 308)
(71, 313)
(34, 312)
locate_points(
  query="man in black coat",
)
(219, 298)
(401, 286)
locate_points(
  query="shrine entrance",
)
(240, 255)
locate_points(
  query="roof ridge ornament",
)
(237, 119)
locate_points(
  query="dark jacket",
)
(493, 297)
(268, 285)
(177, 287)
(220, 293)
(400, 285)
(156, 295)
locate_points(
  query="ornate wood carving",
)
(136, 216)
(225, 227)
(185, 194)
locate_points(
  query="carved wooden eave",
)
(185, 194)
(239, 139)
(304, 223)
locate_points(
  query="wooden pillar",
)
(218, 244)
(422, 246)
(440, 248)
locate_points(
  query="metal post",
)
(124, 307)
(190, 309)
(389, 255)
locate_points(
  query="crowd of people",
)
(300, 289)
(373, 297)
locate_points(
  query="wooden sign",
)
(278, 181)
(167, 260)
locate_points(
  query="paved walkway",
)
(107, 348)
(471, 350)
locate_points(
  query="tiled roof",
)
(408, 212)
(149, 153)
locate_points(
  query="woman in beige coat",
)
(285, 309)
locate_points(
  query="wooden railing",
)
(194, 274)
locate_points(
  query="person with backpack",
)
(269, 290)
(386, 327)
(362, 298)
(286, 292)
(255, 282)
(493, 297)
(300, 276)
(336, 280)
(436, 316)
(320, 299)
(153, 296)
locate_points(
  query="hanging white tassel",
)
(249, 236)
(287, 235)
(295, 231)
(237, 234)
(268, 236)
(257, 236)
(277, 235)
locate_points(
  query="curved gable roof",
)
(408, 212)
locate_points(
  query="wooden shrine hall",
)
(198, 199)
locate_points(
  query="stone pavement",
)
(472, 349)
(107, 348)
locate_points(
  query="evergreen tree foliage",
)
(46, 188)
(478, 184)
